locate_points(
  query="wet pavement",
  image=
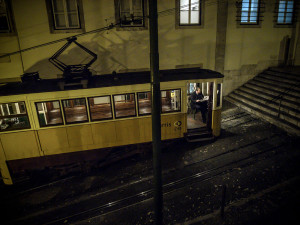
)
(257, 162)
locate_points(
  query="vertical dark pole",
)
(223, 201)
(156, 129)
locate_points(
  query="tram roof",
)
(108, 80)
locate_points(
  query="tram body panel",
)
(4, 169)
(127, 132)
(216, 122)
(20, 145)
(172, 126)
(104, 134)
(54, 140)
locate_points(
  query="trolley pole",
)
(156, 105)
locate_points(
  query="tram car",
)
(42, 126)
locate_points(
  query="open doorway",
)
(199, 117)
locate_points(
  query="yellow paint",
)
(20, 145)
(104, 134)
(80, 136)
(170, 126)
(126, 132)
(3, 166)
(54, 141)
(216, 122)
(145, 129)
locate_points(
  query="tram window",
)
(100, 108)
(13, 116)
(144, 103)
(124, 105)
(75, 110)
(170, 101)
(49, 113)
(219, 89)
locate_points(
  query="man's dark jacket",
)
(195, 97)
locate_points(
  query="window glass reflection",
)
(124, 105)
(49, 113)
(170, 101)
(144, 101)
(13, 116)
(100, 108)
(75, 110)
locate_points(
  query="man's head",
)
(198, 90)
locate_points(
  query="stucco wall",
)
(250, 50)
(247, 51)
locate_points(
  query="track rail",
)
(175, 185)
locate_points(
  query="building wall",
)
(247, 51)
(250, 50)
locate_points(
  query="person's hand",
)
(197, 100)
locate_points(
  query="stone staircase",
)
(273, 95)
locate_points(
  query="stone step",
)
(270, 95)
(265, 108)
(286, 70)
(264, 99)
(266, 85)
(283, 75)
(281, 79)
(263, 89)
(288, 87)
(290, 128)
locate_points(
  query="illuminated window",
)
(144, 103)
(131, 13)
(250, 12)
(75, 110)
(6, 25)
(285, 12)
(124, 105)
(189, 12)
(13, 116)
(170, 101)
(100, 108)
(49, 113)
(65, 15)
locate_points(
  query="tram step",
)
(197, 135)
(290, 128)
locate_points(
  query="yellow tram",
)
(40, 123)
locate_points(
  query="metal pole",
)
(156, 105)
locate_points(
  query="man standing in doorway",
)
(198, 103)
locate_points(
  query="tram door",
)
(195, 118)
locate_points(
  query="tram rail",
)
(133, 199)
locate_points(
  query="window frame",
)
(17, 115)
(249, 24)
(10, 18)
(111, 108)
(284, 25)
(61, 113)
(117, 6)
(64, 112)
(51, 19)
(189, 26)
(138, 105)
(134, 97)
(175, 89)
